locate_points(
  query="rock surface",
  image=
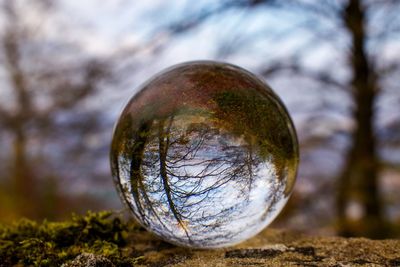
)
(276, 248)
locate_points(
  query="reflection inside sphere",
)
(205, 155)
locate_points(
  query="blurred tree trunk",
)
(23, 183)
(359, 180)
(20, 175)
(40, 86)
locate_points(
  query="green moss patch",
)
(28, 243)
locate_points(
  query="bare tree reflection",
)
(204, 174)
(188, 174)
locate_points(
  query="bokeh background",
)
(67, 68)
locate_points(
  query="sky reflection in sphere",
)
(205, 155)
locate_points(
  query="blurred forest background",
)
(68, 67)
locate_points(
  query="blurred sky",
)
(239, 37)
(138, 24)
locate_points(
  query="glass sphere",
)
(205, 155)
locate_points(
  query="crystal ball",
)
(204, 155)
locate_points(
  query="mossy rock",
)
(104, 239)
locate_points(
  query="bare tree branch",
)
(321, 77)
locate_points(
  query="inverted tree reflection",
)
(205, 155)
(187, 174)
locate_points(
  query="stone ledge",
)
(281, 248)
